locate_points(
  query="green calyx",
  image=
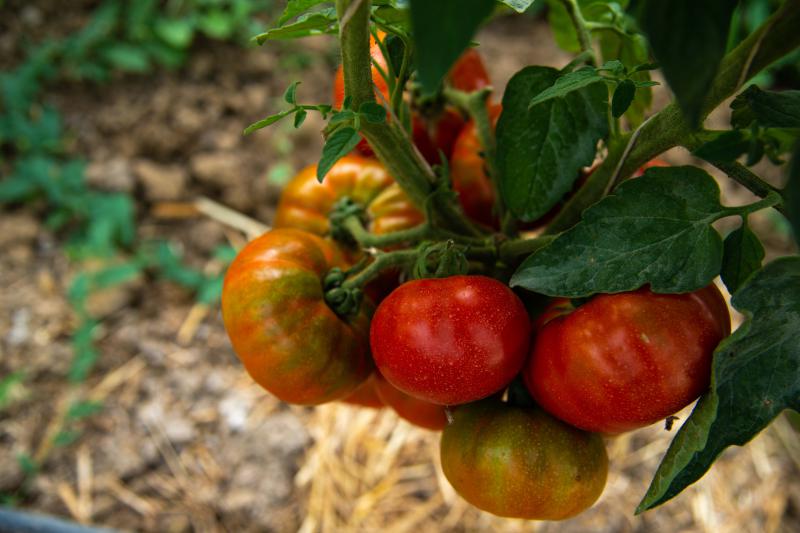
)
(343, 209)
(440, 260)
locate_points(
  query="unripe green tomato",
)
(521, 462)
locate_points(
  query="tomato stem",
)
(389, 141)
(382, 261)
(475, 103)
(584, 37)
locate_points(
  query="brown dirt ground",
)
(185, 441)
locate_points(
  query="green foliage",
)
(743, 253)
(653, 230)
(442, 31)
(688, 38)
(754, 379)
(541, 149)
(769, 109)
(338, 145)
(791, 194)
(299, 110)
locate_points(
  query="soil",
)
(185, 441)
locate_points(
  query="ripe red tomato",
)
(451, 340)
(366, 395)
(468, 172)
(522, 462)
(623, 361)
(287, 337)
(469, 73)
(418, 412)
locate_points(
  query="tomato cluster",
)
(523, 400)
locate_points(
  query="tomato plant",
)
(450, 341)
(521, 462)
(623, 361)
(638, 251)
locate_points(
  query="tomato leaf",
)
(316, 23)
(336, 147)
(655, 229)
(770, 109)
(296, 7)
(725, 146)
(743, 253)
(688, 39)
(540, 150)
(442, 30)
(623, 97)
(791, 194)
(565, 84)
(263, 123)
(299, 118)
(290, 95)
(754, 378)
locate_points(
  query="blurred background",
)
(121, 402)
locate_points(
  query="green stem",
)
(773, 199)
(475, 104)
(514, 248)
(397, 95)
(389, 141)
(366, 239)
(668, 128)
(383, 261)
(584, 38)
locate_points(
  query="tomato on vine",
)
(627, 360)
(521, 462)
(288, 338)
(451, 340)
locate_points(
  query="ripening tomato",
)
(623, 361)
(287, 337)
(418, 412)
(306, 203)
(366, 395)
(468, 173)
(521, 462)
(451, 340)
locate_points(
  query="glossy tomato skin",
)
(469, 72)
(419, 412)
(624, 361)
(306, 203)
(365, 395)
(287, 337)
(468, 172)
(521, 462)
(450, 340)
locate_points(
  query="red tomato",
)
(441, 131)
(451, 340)
(469, 73)
(366, 395)
(623, 361)
(468, 172)
(418, 412)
